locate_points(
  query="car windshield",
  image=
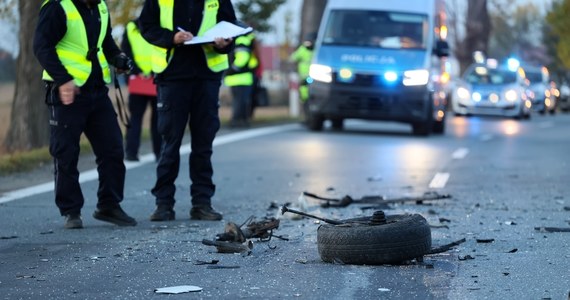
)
(534, 77)
(483, 75)
(376, 29)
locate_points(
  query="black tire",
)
(421, 128)
(439, 127)
(403, 237)
(337, 124)
(315, 121)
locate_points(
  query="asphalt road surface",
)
(506, 178)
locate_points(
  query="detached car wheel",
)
(365, 241)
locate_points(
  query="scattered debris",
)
(262, 230)
(347, 200)
(230, 247)
(466, 257)
(301, 260)
(285, 209)
(484, 241)
(201, 262)
(9, 237)
(513, 250)
(25, 276)
(510, 223)
(444, 220)
(47, 232)
(178, 289)
(384, 290)
(222, 267)
(567, 208)
(552, 229)
(446, 247)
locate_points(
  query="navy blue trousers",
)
(137, 107)
(93, 114)
(193, 103)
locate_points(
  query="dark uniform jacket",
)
(188, 61)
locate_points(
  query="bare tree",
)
(477, 30)
(312, 13)
(29, 116)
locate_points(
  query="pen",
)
(180, 29)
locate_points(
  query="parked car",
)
(489, 89)
(543, 100)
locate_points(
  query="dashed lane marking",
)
(460, 153)
(439, 181)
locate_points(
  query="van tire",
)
(421, 128)
(315, 122)
(439, 127)
(337, 124)
(401, 238)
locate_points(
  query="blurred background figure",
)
(240, 77)
(142, 92)
(302, 56)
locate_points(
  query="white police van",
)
(380, 60)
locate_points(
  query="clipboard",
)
(223, 29)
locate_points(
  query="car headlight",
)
(321, 73)
(511, 95)
(416, 77)
(477, 97)
(463, 93)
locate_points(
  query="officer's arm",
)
(150, 26)
(110, 48)
(50, 30)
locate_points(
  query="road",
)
(505, 177)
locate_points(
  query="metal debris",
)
(484, 241)
(552, 229)
(230, 247)
(446, 247)
(178, 289)
(347, 200)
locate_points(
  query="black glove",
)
(123, 63)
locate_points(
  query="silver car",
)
(492, 90)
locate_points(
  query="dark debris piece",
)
(484, 241)
(8, 237)
(552, 229)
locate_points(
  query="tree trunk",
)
(477, 32)
(29, 116)
(311, 17)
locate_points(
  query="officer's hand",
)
(221, 43)
(67, 92)
(123, 63)
(182, 36)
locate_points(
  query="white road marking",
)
(460, 153)
(149, 158)
(439, 181)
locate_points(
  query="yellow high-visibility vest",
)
(161, 56)
(142, 50)
(73, 48)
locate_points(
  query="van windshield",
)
(534, 77)
(376, 29)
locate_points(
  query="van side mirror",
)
(441, 48)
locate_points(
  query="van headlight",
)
(511, 95)
(321, 73)
(416, 77)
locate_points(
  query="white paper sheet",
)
(223, 29)
(178, 289)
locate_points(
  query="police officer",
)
(188, 80)
(241, 79)
(73, 44)
(303, 56)
(134, 45)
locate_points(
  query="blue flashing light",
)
(309, 80)
(390, 76)
(513, 64)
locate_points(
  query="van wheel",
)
(337, 124)
(421, 128)
(439, 127)
(400, 238)
(315, 122)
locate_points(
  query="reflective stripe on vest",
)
(242, 71)
(73, 48)
(142, 50)
(161, 56)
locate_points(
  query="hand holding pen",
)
(182, 36)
